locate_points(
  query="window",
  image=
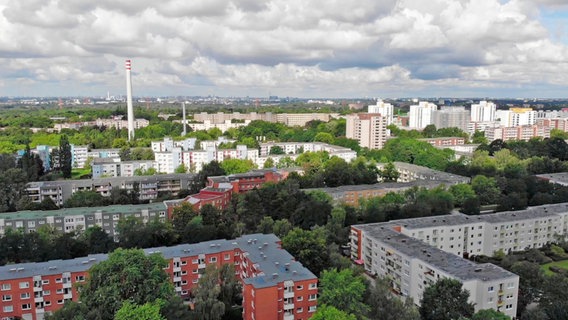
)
(26, 306)
(312, 309)
(509, 307)
(300, 298)
(491, 289)
(80, 278)
(213, 259)
(313, 286)
(227, 256)
(60, 301)
(58, 280)
(46, 292)
(183, 263)
(299, 310)
(25, 295)
(8, 308)
(24, 285)
(299, 287)
(47, 303)
(45, 282)
(7, 297)
(312, 297)
(59, 291)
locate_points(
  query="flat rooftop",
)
(549, 210)
(560, 177)
(379, 186)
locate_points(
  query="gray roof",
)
(452, 264)
(548, 210)
(560, 177)
(427, 172)
(262, 249)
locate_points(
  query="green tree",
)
(478, 137)
(269, 163)
(181, 169)
(86, 199)
(324, 137)
(343, 290)
(326, 312)
(461, 193)
(65, 157)
(489, 314)
(127, 275)
(389, 173)
(486, 189)
(308, 247)
(276, 150)
(231, 166)
(147, 311)
(207, 303)
(386, 306)
(445, 300)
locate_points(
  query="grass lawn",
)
(78, 173)
(560, 264)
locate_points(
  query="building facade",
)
(420, 115)
(483, 111)
(383, 108)
(369, 129)
(451, 117)
(148, 187)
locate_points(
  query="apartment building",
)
(148, 186)
(168, 144)
(243, 182)
(516, 117)
(289, 119)
(445, 239)
(369, 129)
(296, 148)
(554, 123)
(445, 141)
(483, 111)
(413, 265)
(383, 108)
(420, 115)
(275, 286)
(223, 126)
(411, 172)
(76, 219)
(451, 117)
(525, 132)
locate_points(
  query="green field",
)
(561, 264)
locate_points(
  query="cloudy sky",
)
(300, 48)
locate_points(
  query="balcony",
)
(288, 306)
(288, 294)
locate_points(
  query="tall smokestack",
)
(183, 118)
(129, 108)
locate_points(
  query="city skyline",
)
(396, 48)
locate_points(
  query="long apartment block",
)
(417, 252)
(274, 285)
(76, 219)
(148, 186)
(413, 265)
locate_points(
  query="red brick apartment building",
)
(244, 182)
(220, 189)
(274, 285)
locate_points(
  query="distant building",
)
(369, 129)
(385, 109)
(411, 172)
(483, 112)
(421, 115)
(525, 132)
(445, 141)
(451, 117)
(515, 117)
(289, 119)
